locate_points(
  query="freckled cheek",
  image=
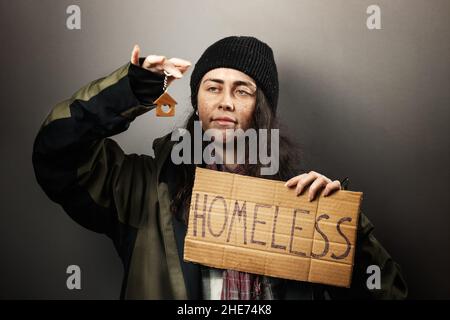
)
(205, 113)
(204, 107)
(205, 104)
(245, 117)
(245, 121)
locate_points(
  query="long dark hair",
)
(263, 118)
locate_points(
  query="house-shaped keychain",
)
(165, 100)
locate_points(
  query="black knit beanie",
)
(246, 54)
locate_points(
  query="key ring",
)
(167, 74)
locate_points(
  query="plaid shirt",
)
(218, 284)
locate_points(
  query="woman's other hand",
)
(316, 181)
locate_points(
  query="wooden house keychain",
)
(165, 100)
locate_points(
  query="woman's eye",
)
(213, 89)
(243, 93)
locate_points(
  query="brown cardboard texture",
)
(260, 226)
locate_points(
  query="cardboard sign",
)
(260, 226)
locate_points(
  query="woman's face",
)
(226, 99)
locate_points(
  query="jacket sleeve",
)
(369, 251)
(83, 170)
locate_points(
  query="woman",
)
(142, 202)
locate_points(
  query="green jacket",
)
(127, 196)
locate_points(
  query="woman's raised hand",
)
(158, 64)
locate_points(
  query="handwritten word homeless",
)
(260, 226)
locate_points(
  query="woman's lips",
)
(224, 121)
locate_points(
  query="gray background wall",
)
(369, 104)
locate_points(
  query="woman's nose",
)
(226, 103)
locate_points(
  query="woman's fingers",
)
(175, 67)
(331, 187)
(172, 69)
(154, 63)
(301, 181)
(180, 64)
(135, 55)
(317, 182)
(293, 181)
(306, 181)
(160, 64)
(316, 186)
